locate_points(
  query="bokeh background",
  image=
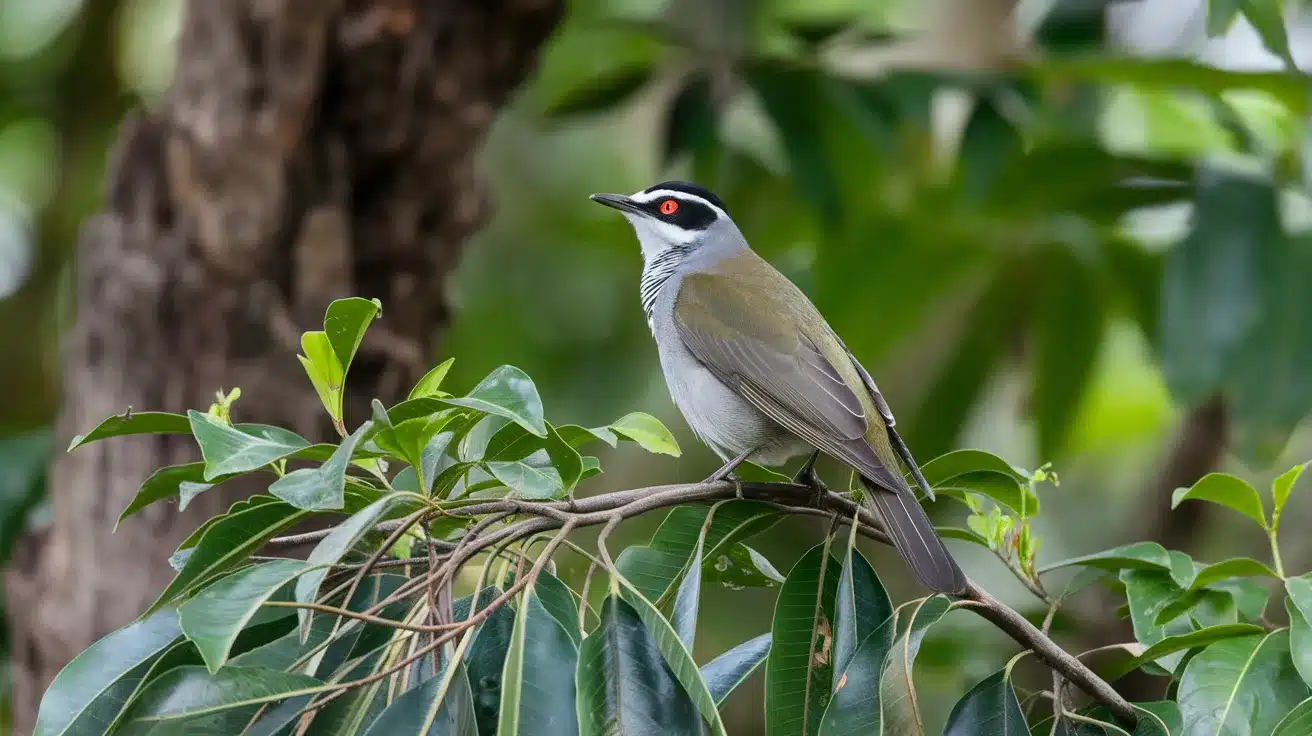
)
(1064, 231)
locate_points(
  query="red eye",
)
(669, 207)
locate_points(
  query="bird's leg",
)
(806, 474)
(726, 471)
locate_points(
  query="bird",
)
(757, 371)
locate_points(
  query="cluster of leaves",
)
(360, 637)
(1035, 195)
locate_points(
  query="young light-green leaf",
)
(1226, 490)
(324, 371)
(142, 422)
(345, 323)
(216, 615)
(508, 392)
(648, 432)
(1281, 488)
(431, 383)
(91, 690)
(229, 450)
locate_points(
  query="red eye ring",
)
(669, 206)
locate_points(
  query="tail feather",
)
(915, 539)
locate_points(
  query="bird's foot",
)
(726, 471)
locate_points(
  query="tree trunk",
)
(307, 150)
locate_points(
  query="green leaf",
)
(602, 94)
(1180, 643)
(345, 322)
(431, 383)
(578, 437)
(648, 432)
(510, 393)
(1238, 567)
(791, 98)
(855, 706)
(1226, 490)
(322, 488)
(91, 690)
(1221, 15)
(897, 692)
(625, 684)
(536, 467)
(558, 600)
(1161, 718)
(229, 450)
(683, 616)
(726, 672)
(690, 120)
(1240, 686)
(975, 471)
(190, 692)
(1135, 556)
(591, 467)
(227, 543)
(440, 706)
(1068, 331)
(860, 608)
(332, 548)
(1268, 19)
(798, 673)
(218, 613)
(130, 422)
(1299, 590)
(324, 371)
(1281, 488)
(1212, 282)
(535, 698)
(1148, 592)
(485, 657)
(1298, 722)
(1300, 641)
(988, 709)
(165, 483)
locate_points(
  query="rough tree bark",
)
(307, 150)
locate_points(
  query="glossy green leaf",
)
(228, 450)
(1226, 490)
(191, 692)
(897, 693)
(1135, 556)
(1161, 718)
(485, 657)
(798, 674)
(559, 601)
(962, 462)
(990, 708)
(140, 422)
(508, 392)
(1240, 686)
(591, 467)
(861, 606)
(228, 542)
(1281, 487)
(976, 471)
(536, 467)
(535, 697)
(603, 94)
(683, 615)
(1299, 590)
(165, 483)
(855, 706)
(332, 548)
(322, 488)
(578, 437)
(1298, 722)
(726, 672)
(648, 432)
(1181, 643)
(1068, 331)
(1148, 592)
(345, 322)
(625, 684)
(431, 383)
(91, 690)
(1237, 567)
(216, 615)
(1300, 641)
(440, 706)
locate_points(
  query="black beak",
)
(619, 202)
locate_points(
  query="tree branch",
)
(789, 498)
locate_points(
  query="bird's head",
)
(673, 214)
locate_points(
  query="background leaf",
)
(990, 708)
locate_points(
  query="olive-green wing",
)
(774, 366)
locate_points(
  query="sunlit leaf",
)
(431, 383)
(647, 431)
(1282, 486)
(508, 392)
(229, 450)
(345, 323)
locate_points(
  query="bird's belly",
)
(722, 419)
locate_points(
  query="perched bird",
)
(757, 371)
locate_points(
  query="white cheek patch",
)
(655, 236)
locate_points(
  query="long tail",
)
(915, 539)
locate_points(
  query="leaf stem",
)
(1275, 550)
